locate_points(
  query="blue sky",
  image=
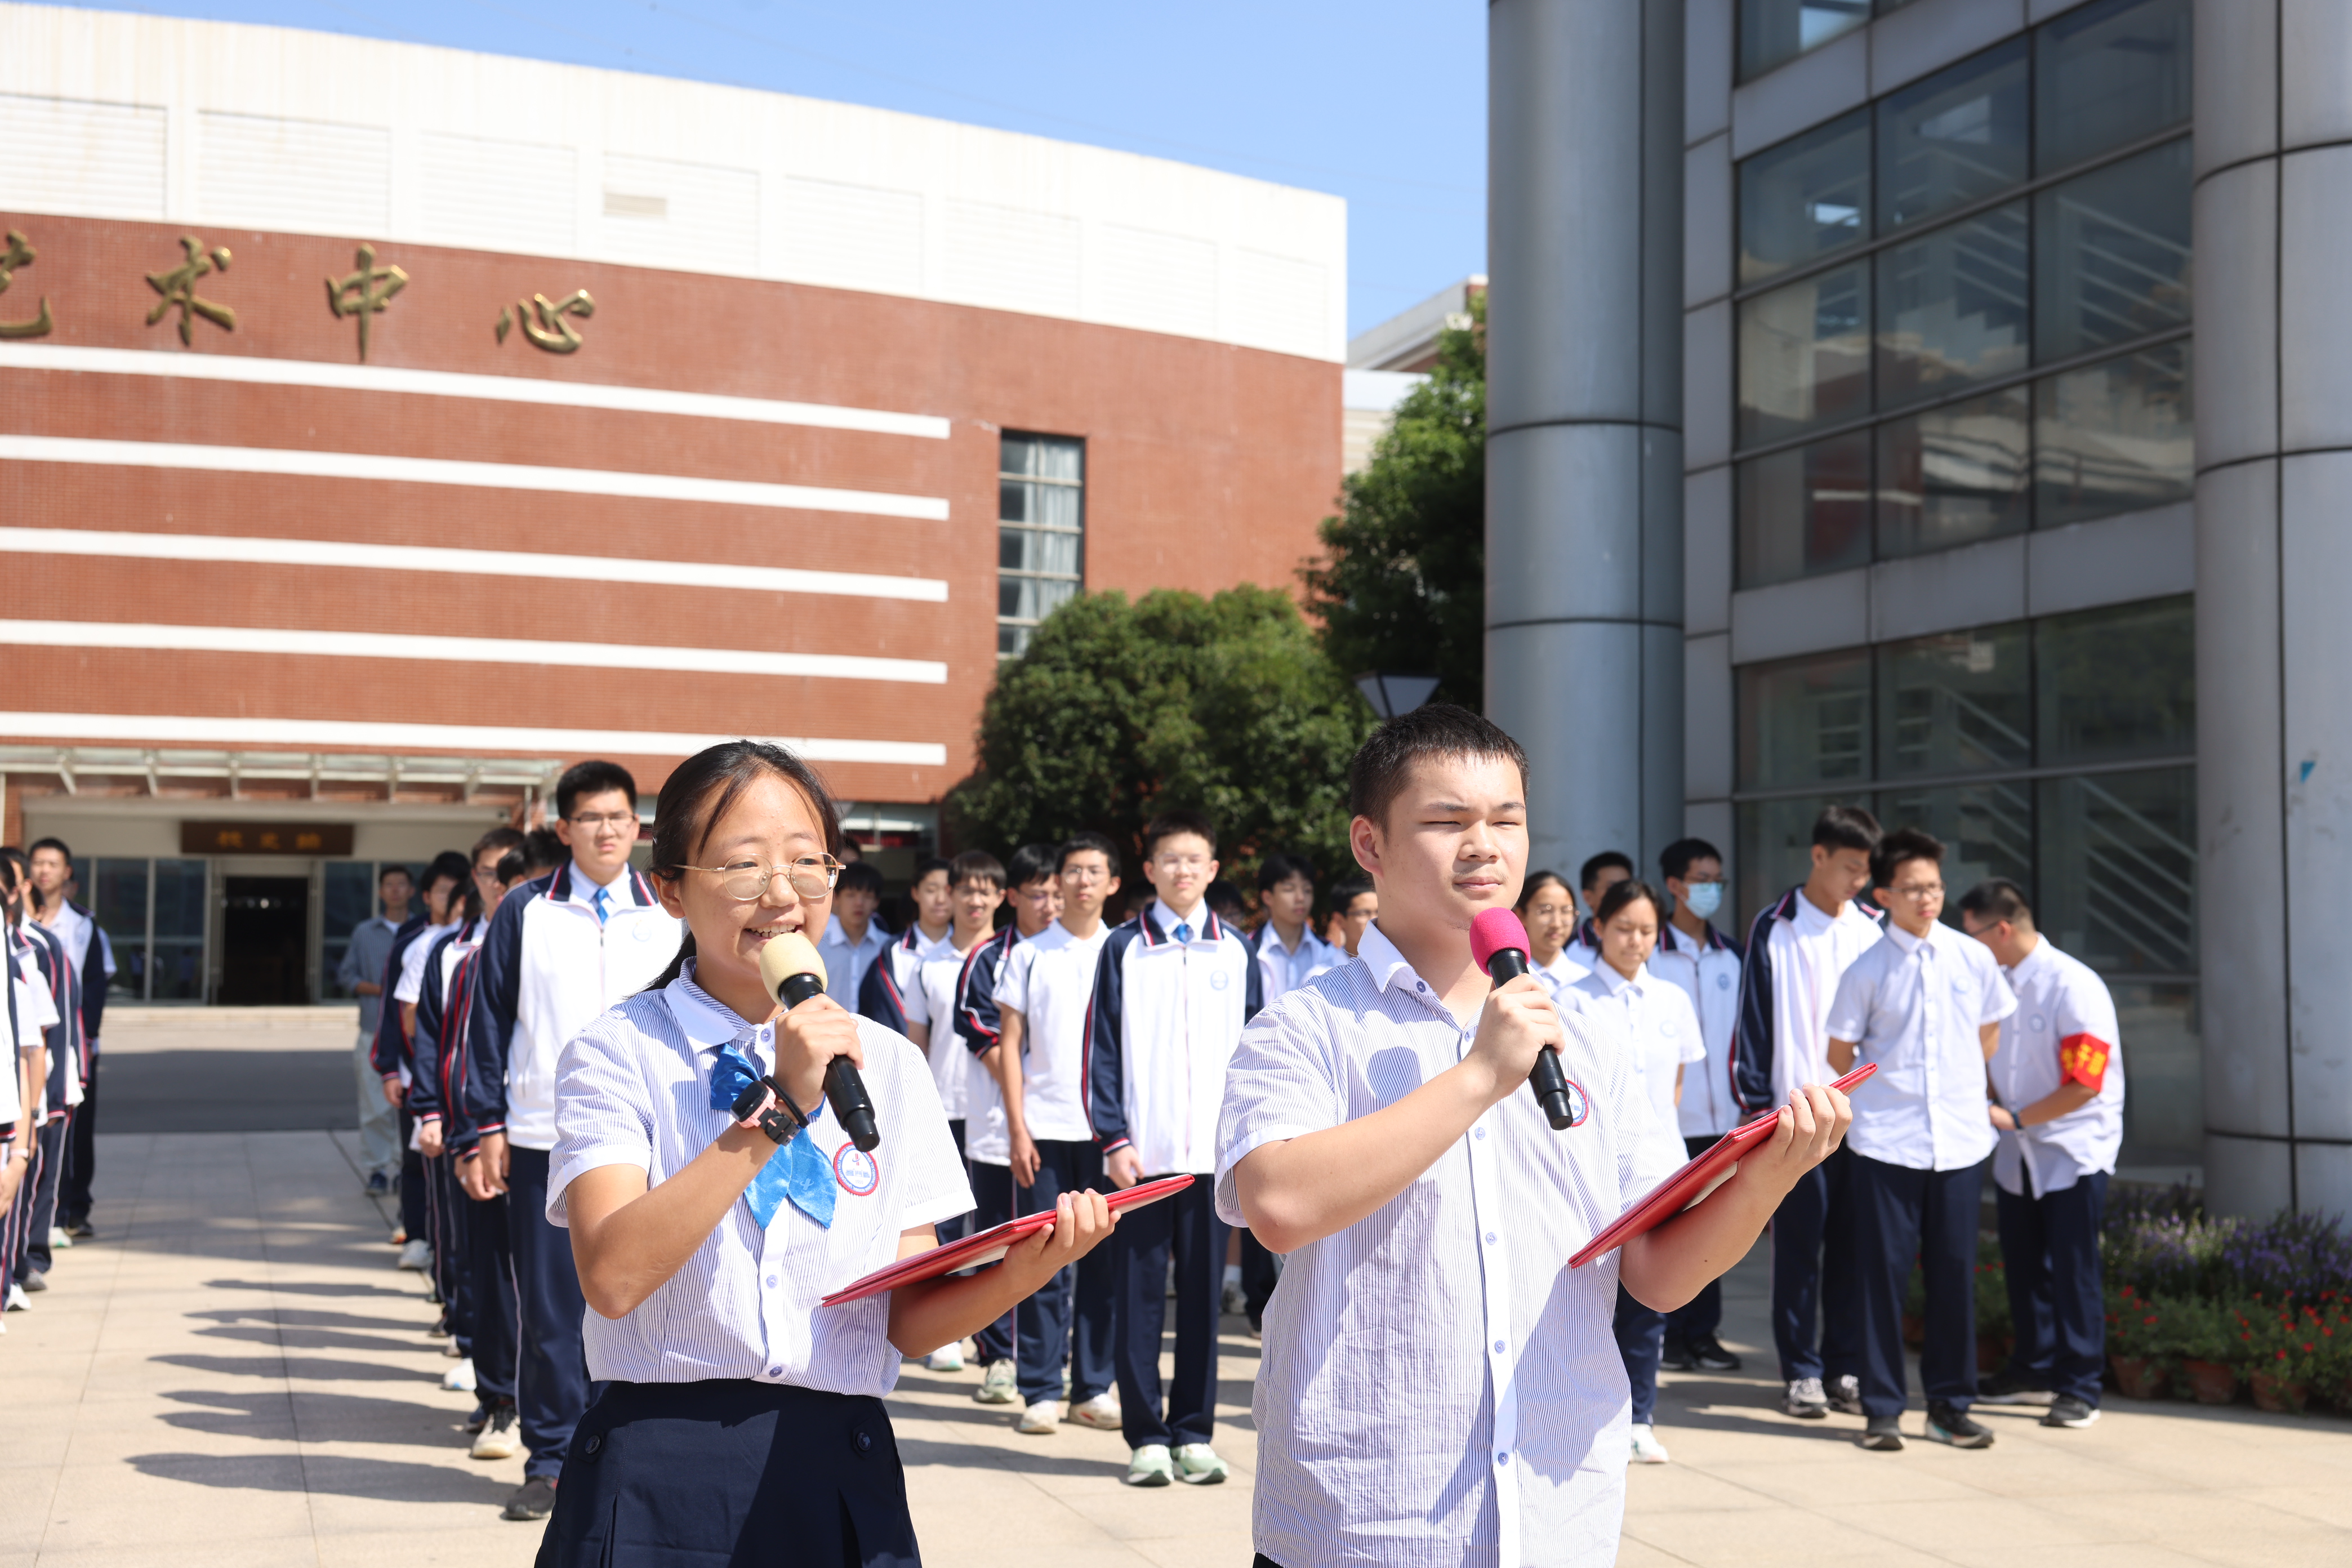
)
(1381, 101)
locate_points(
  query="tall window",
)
(1041, 532)
(2057, 753)
(1964, 309)
(154, 914)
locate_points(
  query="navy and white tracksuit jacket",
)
(1754, 1038)
(1161, 1029)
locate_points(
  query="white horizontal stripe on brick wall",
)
(466, 650)
(260, 552)
(160, 729)
(284, 462)
(460, 384)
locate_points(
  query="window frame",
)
(1023, 627)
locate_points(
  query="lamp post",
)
(1392, 694)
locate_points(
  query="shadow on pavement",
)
(316, 1419)
(388, 1480)
(280, 1367)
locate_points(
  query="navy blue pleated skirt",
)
(697, 1475)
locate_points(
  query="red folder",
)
(1696, 1180)
(989, 1245)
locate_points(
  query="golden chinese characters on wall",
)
(21, 254)
(361, 295)
(265, 837)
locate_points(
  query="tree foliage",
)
(1121, 711)
(1403, 588)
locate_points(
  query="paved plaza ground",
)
(235, 1372)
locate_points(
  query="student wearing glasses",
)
(1925, 1004)
(739, 1420)
(560, 950)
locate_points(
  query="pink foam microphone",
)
(1499, 943)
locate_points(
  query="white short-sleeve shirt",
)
(1049, 980)
(633, 1088)
(931, 1002)
(412, 961)
(1654, 1019)
(2064, 1018)
(1513, 1448)
(1913, 1005)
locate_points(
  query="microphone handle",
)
(1546, 1077)
(844, 1086)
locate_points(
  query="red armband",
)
(2083, 1059)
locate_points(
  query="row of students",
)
(49, 1078)
(1992, 1048)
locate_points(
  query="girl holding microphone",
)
(1653, 1021)
(738, 1416)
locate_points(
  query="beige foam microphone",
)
(793, 972)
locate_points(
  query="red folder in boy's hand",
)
(1686, 1186)
(989, 1245)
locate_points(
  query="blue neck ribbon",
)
(798, 1170)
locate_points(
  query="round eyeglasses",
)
(812, 877)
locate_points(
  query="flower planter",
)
(2280, 1395)
(2211, 1383)
(2139, 1377)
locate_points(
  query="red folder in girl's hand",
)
(1688, 1186)
(989, 1245)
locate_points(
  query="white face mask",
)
(1703, 899)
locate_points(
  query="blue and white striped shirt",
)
(1511, 1444)
(633, 1088)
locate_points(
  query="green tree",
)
(1403, 586)
(1121, 711)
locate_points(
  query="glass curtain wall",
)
(1964, 309)
(348, 900)
(152, 911)
(2057, 753)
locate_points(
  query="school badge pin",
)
(855, 1169)
(1579, 1106)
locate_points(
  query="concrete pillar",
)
(1584, 576)
(2273, 393)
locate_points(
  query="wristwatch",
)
(761, 1109)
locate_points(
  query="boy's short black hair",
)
(1034, 863)
(383, 871)
(594, 776)
(1377, 773)
(858, 876)
(449, 863)
(51, 842)
(502, 839)
(1997, 899)
(1676, 858)
(1589, 876)
(542, 850)
(1278, 867)
(1847, 827)
(1898, 849)
(1169, 823)
(975, 863)
(929, 863)
(1349, 890)
(1227, 899)
(1080, 844)
(511, 865)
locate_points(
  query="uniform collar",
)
(707, 1022)
(1606, 973)
(2031, 965)
(834, 932)
(1909, 943)
(1159, 925)
(1390, 968)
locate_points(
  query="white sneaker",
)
(459, 1379)
(948, 1359)
(17, 1300)
(1197, 1465)
(1647, 1449)
(59, 1240)
(498, 1438)
(1041, 1419)
(1101, 1411)
(1806, 1400)
(416, 1255)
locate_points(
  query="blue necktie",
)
(604, 907)
(802, 1174)
(1183, 931)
